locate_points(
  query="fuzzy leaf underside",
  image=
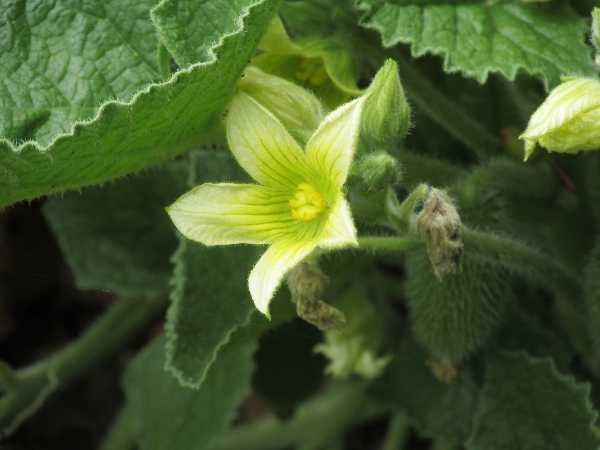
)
(160, 122)
(210, 298)
(546, 409)
(59, 60)
(119, 237)
(167, 416)
(477, 38)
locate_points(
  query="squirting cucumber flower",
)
(298, 204)
(320, 65)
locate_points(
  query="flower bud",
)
(440, 228)
(294, 106)
(376, 171)
(307, 283)
(386, 115)
(354, 349)
(569, 119)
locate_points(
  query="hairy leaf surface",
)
(158, 123)
(479, 37)
(167, 416)
(527, 404)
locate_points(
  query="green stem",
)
(337, 408)
(33, 384)
(402, 214)
(388, 244)
(120, 435)
(397, 432)
(524, 260)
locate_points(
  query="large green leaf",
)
(167, 416)
(159, 122)
(60, 59)
(187, 27)
(210, 297)
(527, 404)
(119, 237)
(481, 36)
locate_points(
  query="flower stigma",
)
(313, 70)
(307, 203)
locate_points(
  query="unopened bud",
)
(386, 114)
(569, 119)
(293, 105)
(376, 171)
(307, 283)
(439, 225)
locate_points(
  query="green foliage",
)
(477, 38)
(102, 230)
(190, 29)
(553, 412)
(161, 121)
(436, 409)
(94, 90)
(167, 416)
(209, 301)
(60, 60)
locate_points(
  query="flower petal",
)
(331, 149)
(263, 147)
(223, 214)
(339, 230)
(272, 266)
(293, 105)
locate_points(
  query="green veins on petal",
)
(223, 214)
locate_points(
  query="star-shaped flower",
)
(298, 204)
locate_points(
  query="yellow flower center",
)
(307, 203)
(312, 70)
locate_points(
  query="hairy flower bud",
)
(375, 171)
(440, 228)
(569, 119)
(386, 114)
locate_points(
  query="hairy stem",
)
(389, 244)
(33, 384)
(524, 260)
(312, 426)
(397, 432)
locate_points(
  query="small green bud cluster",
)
(375, 171)
(307, 283)
(439, 225)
